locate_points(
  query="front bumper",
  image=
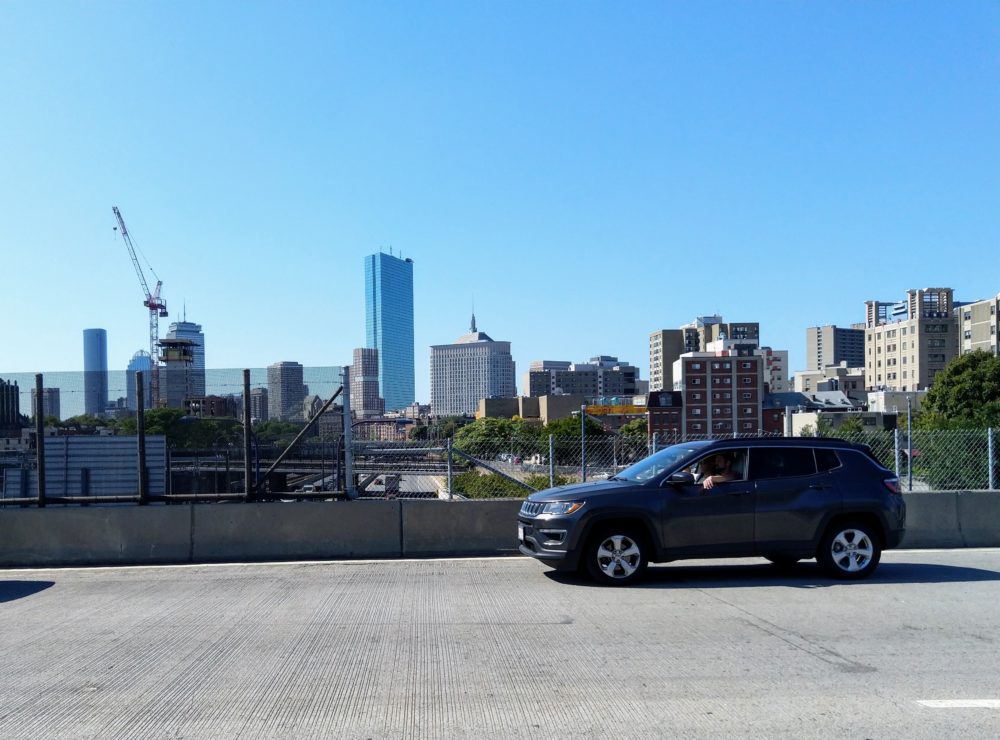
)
(545, 539)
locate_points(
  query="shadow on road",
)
(12, 590)
(806, 574)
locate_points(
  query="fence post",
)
(897, 451)
(552, 461)
(448, 446)
(583, 442)
(349, 487)
(247, 469)
(991, 455)
(39, 440)
(140, 430)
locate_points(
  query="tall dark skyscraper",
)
(95, 371)
(389, 325)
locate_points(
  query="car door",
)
(711, 523)
(791, 498)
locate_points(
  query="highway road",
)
(502, 648)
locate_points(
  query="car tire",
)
(850, 551)
(616, 555)
(782, 561)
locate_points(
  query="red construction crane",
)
(157, 307)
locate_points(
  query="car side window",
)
(826, 460)
(781, 462)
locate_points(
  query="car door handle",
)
(820, 486)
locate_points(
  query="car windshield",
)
(659, 462)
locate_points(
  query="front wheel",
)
(616, 556)
(849, 551)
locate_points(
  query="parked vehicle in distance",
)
(782, 498)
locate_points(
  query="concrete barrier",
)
(95, 535)
(296, 530)
(459, 527)
(197, 533)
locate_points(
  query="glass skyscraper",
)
(389, 325)
(140, 362)
(95, 371)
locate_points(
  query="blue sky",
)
(583, 173)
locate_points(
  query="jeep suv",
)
(785, 499)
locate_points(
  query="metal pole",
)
(583, 442)
(991, 456)
(348, 437)
(909, 443)
(39, 441)
(248, 482)
(552, 461)
(140, 430)
(448, 446)
(898, 449)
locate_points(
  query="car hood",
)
(577, 491)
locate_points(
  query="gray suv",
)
(785, 499)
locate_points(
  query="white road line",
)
(960, 703)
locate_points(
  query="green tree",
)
(569, 428)
(851, 425)
(634, 428)
(965, 395)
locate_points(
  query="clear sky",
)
(582, 173)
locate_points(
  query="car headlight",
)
(562, 508)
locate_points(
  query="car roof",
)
(781, 442)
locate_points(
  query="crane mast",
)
(156, 305)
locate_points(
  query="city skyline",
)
(580, 179)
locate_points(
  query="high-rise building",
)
(258, 404)
(832, 345)
(10, 407)
(50, 403)
(193, 333)
(909, 342)
(978, 324)
(667, 345)
(286, 391)
(474, 367)
(176, 375)
(140, 363)
(365, 399)
(95, 371)
(722, 392)
(389, 325)
(601, 378)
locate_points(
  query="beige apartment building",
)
(978, 324)
(667, 345)
(909, 342)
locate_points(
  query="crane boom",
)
(157, 307)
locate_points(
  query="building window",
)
(747, 380)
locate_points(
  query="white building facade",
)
(474, 367)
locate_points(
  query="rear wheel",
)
(616, 555)
(850, 551)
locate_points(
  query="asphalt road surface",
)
(502, 648)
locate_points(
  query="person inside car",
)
(717, 469)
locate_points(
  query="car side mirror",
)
(681, 478)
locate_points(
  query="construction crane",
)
(157, 307)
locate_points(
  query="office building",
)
(978, 324)
(193, 333)
(95, 371)
(474, 367)
(140, 363)
(665, 346)
(909, 342)
(50, 403)
(389, 325)
(600, 379)
(848, 380)
(286, 391)
(832, 345)
(365, 399)
(259, 411)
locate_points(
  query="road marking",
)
(960, 703)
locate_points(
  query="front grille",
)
(531, 508)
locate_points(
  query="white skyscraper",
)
(473, 368)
